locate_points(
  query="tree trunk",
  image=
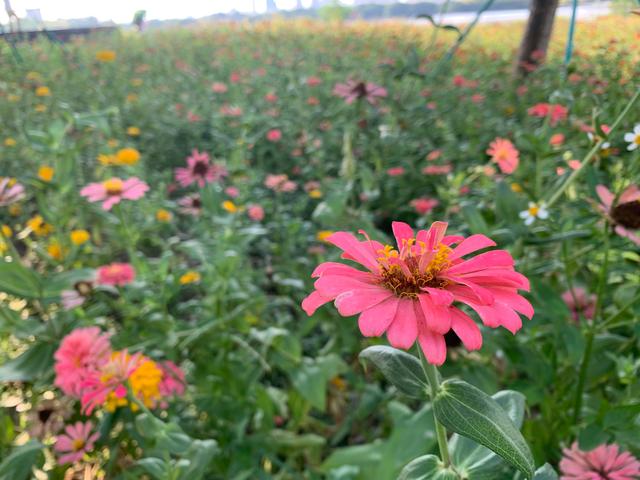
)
(535, 42)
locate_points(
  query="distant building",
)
(34, 14)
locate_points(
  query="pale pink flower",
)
(279, 183)
(219, 87)
(313, 81)
(233, 192)
(605, 462)
(505, 154)
(114, 190)
(353, 90)
(231, 111)
(199, 170)
(395, 171)
(434, 155)
(193, 117)
(624, 214)
(413, 292)
(75, 442)
(71, 299)
(580, 303)
(423, 206)
(10, 191)
(173, 381)
(191, 204)
(119, 274)
(80, 354)
(437, 169)
(274, 135)
(255, 213)
(271, 97)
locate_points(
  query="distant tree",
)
(334, 11)
(138, 19)
(12, 15)
(534, 45)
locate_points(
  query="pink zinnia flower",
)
(555, 112)
(255, 213)
(625, 213)
(173, 380)
(80, 354)
(199, 170)
(353, 90)
(409, 292)
(10, 191)
(274, 135)
(556, 140)
(434, 155)
(75, 442)
(313, 81)
(603, 463)
(279, 183)
(395, 171)
(233, 192)
(437, 169)
(112, 191)
(580, 303)
(505, 154)
(423, 206)
(119, 274)
(111, 379)
(218, 87)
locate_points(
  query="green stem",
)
(586, 358)
(431, 373)
(596, 148)
(610, 322)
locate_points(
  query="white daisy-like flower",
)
(594, 139)
(535, 210)
(633, 138)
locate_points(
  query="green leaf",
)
(427, 467)
(19, 464)
(155, 467)
(16, 279)
(64, 281)
(30, 365)
(545, 472)
(401, 369)
(312, 376)
(476, 461)
(468, 411)
(200, 454)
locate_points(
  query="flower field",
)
(305, 250)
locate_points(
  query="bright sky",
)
(122, 11)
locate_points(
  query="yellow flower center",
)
(636, 140)
(78, 444)
(533, 210)
(407, 276)
(113, 186)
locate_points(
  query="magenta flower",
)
(555, 112)
(603, 463)
(119, 274)
(423, 206)
(274, 135)
(353, 90)
(199, 170)
(580, 303)
(112, 191)
(75, 442)
(624, 214)
(10, 191)
(413, 292)
(80, 354)
(173, 381)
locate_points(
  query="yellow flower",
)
(78, 237)
(145, 382)
(229, 206)
(6, 231)
(112, 142)
(45, 173)
(106, 56)
(315, 193)
(40, 108)
(136, 82)
(133, 131)
(515, 187)
(132, 97)
(55, 251)
(322, 235)
(105, 159)
(15, 209)
(9, 142)
(127, 156)
(112, 402)
(13, 98)
(43, 91)
(190, 277)
(33, 76)
(39, 226)
(163, 215)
